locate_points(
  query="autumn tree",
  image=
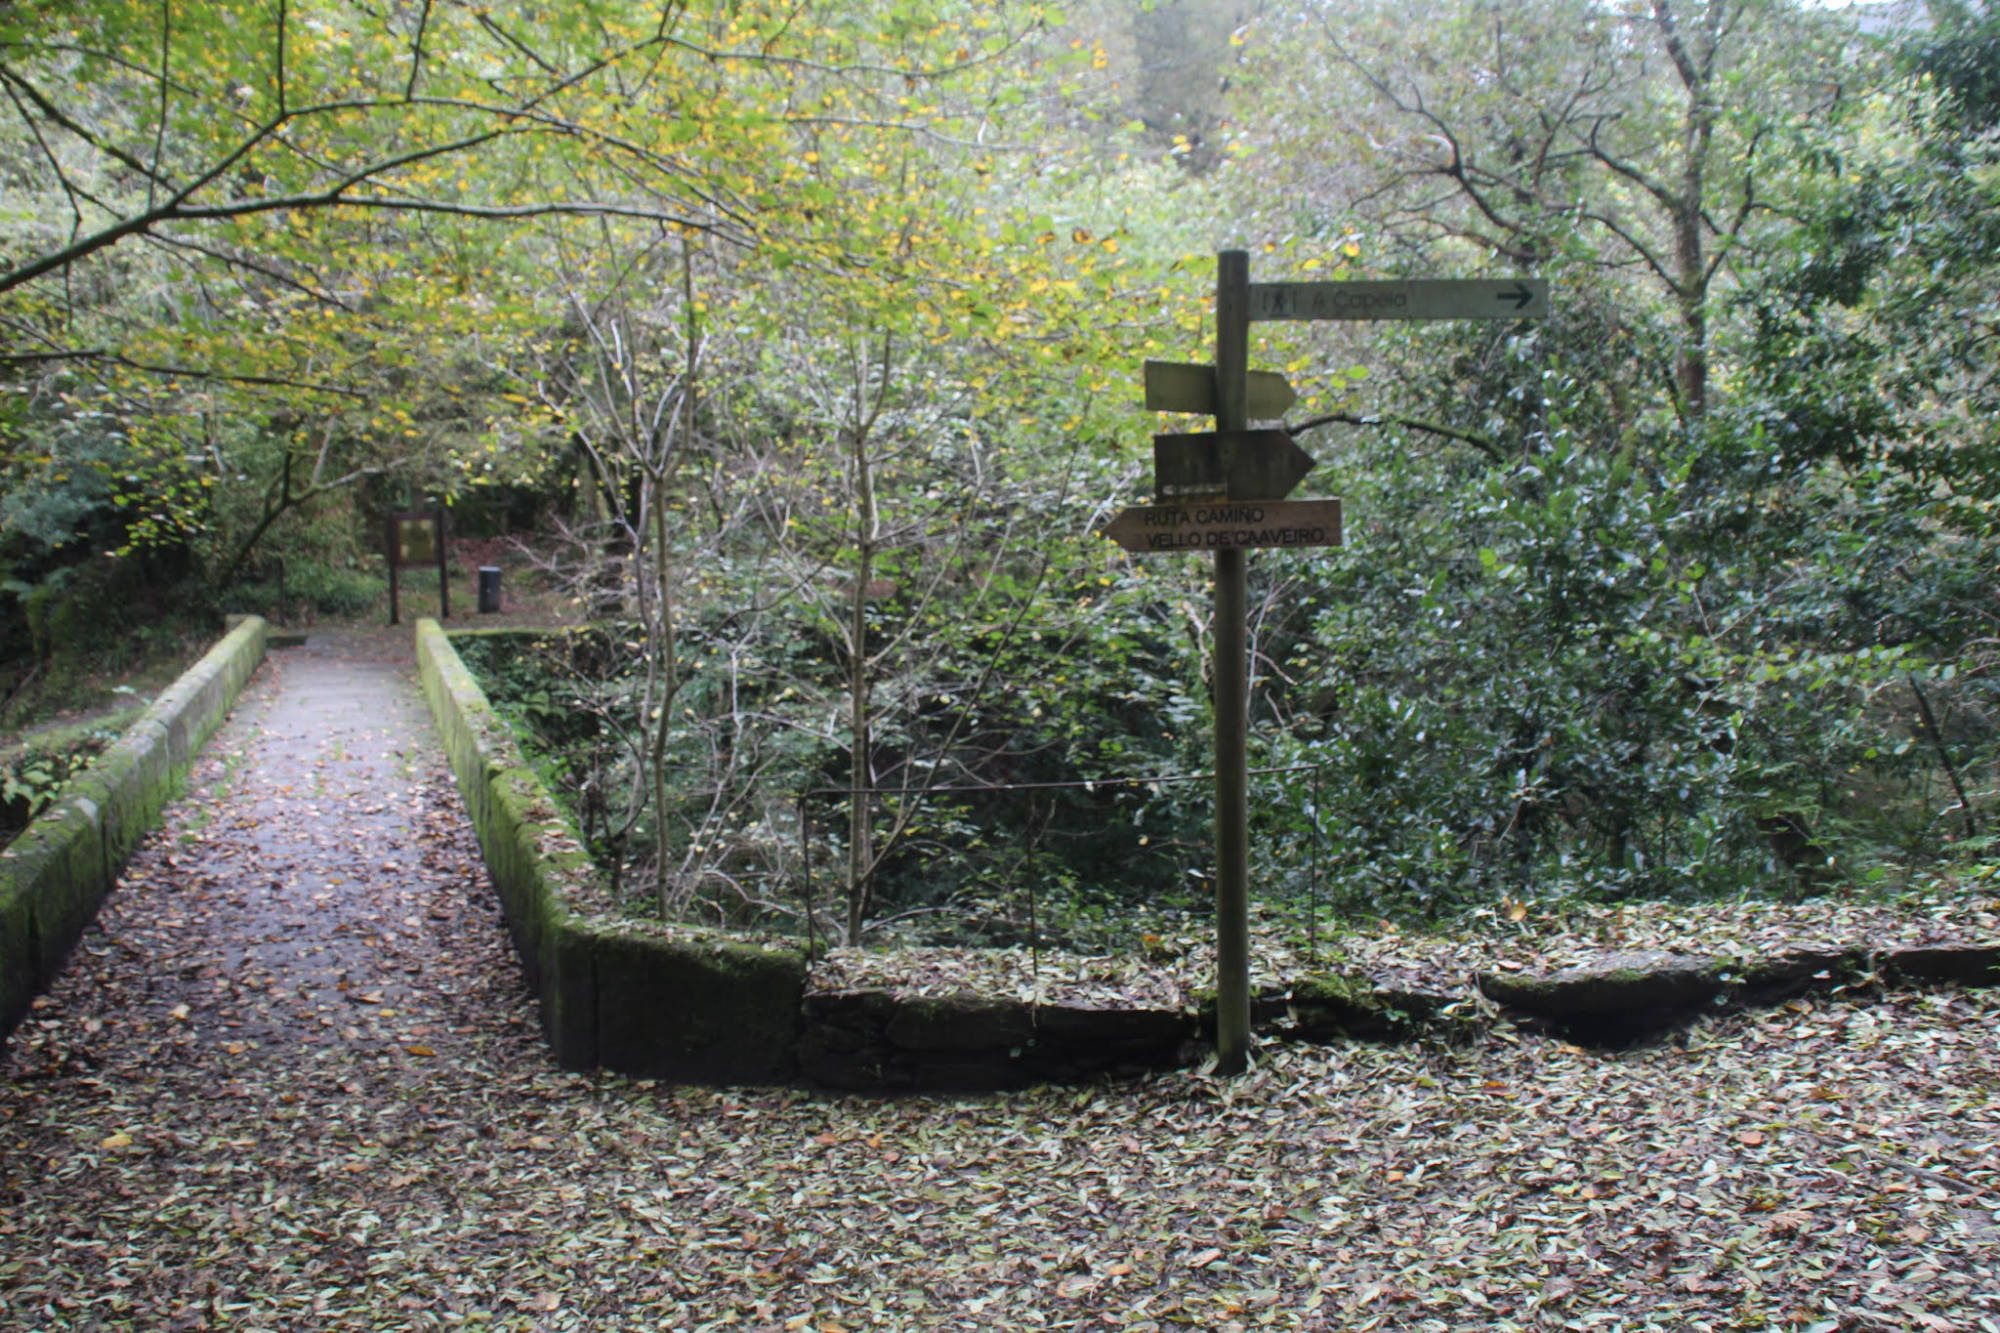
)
(1652, 144)
(1583, 585)
(283, 209)
(931, 323)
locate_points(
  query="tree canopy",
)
(817, 329)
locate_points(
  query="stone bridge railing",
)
(681, 1003)
(56, 873)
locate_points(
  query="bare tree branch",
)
(417, 52)
(1483, 445)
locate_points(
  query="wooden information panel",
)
(416, 539)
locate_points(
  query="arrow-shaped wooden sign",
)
(1185, 386)
(1226, 526)
(1232, 465)
(1422, 298)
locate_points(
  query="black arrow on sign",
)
(1520, 296)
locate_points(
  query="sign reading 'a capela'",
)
(1422, 298)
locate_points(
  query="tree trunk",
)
(860, 701)
(1696, 68)
(666, 644)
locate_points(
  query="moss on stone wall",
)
(690, 1006)
(55, 875)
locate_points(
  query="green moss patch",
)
(54, 876)
(680, 1005)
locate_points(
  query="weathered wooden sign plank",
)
(1189, 386)
(1423, 298)
(1227, 465)
(1227, 525)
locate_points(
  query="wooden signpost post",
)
(1224, 491)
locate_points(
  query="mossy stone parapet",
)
(54, 876)
(1624, 995)
(709, 1010)
(637, 997)
(1794, 971)
(1978, 965)
(876, 1041)
(630, 996)
(1345, 1005)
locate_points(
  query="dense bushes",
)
(34, 772)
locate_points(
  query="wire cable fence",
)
(817, 940)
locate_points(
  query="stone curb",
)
(55, 874)
(1622, 996)
(623, 996)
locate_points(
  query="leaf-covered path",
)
(292, 1081)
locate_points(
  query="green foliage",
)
(749, 742)
(312, 590)
(828, 326)
(1959, 54)
(35, 773)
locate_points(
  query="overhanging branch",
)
(1479, 442)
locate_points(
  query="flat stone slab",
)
(1956, 964)
(1796, 970)
(1623, 990)
(1625, 994)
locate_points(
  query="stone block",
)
(960, 1023)
(1617, 995)
(708, 1011)
(1952, 965)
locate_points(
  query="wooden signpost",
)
(1224, 491)
(417, 539)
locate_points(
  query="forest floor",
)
(292, 1079)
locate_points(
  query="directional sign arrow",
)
(1226, 526)
(1431, 298)
(1182, 386)
(1232, 464)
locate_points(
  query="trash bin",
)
(489, 588)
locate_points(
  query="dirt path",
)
(292, 1081)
